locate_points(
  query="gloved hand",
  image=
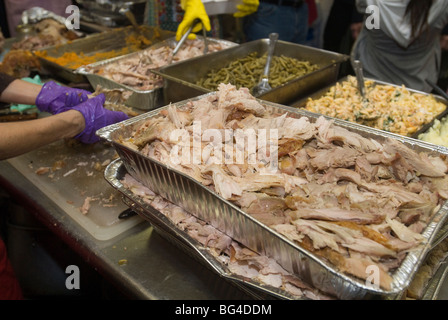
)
(246, 8)
(54, 98)
(194, 9)
(96, 117)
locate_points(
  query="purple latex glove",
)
(96, 117)
(54, 98)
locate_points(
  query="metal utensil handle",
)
(359, 76)
(185, 36)
(273, 37)
(438, 89)
(204, 35)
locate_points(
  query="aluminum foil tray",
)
(200, 201)
(180, 78)
(115, 172)
(320, 93)
(140, 99)
(98, 42)
(433, 287)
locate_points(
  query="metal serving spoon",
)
(360, 78)
(362, 89)
(263, 86)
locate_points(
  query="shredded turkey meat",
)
(352, 200)
(239, 260)
(135, 70)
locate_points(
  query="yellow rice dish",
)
(387, 107)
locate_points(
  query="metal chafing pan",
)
(200, 201)
(180, 79)
(115, 172)
(98, 42)
(140, 99)
(320, 93)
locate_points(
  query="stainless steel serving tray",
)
(94, 43)
(320, 93)
(140, 99)
(115, 172)
(180, 79)
(200, 201)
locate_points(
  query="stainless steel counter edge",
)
(153, 269)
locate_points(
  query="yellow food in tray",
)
(390, 108)
(437, 134)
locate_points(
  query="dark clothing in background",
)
(9, 286)
(342, 14)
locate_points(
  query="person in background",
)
(260, 18)
(195, 9)
(443, 76)
(344, 18)
(405, 49)
(341, 30)
(289, 18)
(168, 14)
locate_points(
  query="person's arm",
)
(21, 92)
(21, 137)
(50, 97)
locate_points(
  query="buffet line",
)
(361, 182)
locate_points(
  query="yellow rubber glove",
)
(246, 8)
(194, 9)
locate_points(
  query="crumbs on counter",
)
(122, 262)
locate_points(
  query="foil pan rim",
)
(111, 176)
(412, 259)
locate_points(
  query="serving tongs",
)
(357, 66)
(185, 36)
(437, 89)
(263, 86)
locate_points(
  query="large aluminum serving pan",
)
(200, 201)
(114, 175)
(116, 171)
(140, 99)
(301, 103)
(114, 40)
(180, 79)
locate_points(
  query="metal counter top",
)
(138, 261)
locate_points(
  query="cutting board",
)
(72, 175)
